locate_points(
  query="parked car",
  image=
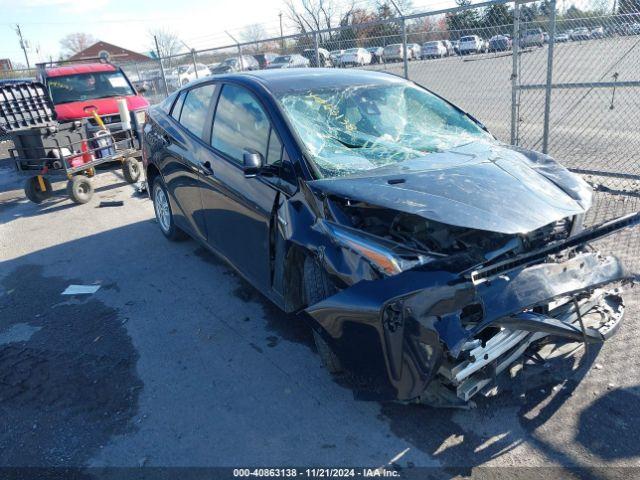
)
(561, 37)
(236, 64)
(533, 37)
(394, 52)
(434, 256)
(335, 55)
(580, 34)
(150, 81)
(76, 87)
(355, 56)
(449, 46)
(456, 46)
(499, 43)
(377, 54)
(597, 32)
(472, 44)
(414, 51)
(289, 61)
(435, 49)
(265, 59)
(182, 75)
(323, 55)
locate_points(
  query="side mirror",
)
(251, 163)
(142, 89)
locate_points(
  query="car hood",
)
(480, 185)
(105, 106)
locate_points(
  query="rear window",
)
(195, 108)
(467, 39)
(177, 107)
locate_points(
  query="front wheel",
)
(34, 191)
(317, 287)
(164, 215)
(131, 170)
(80, 189)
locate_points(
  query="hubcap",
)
(161, 205)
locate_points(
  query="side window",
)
(196, 107)
(240, 124)
(177, 106)
(274, 154)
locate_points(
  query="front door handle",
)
(207, 169)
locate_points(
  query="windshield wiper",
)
(347, 144)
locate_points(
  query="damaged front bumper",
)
(464, 329)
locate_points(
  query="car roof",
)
(79, 69)
(300, 79)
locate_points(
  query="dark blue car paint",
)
(264, 226)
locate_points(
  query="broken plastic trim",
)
(581, 238)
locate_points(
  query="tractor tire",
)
(34, 193)
(131, 170)
(80, 189)
(317, 287)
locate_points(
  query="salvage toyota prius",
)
(423, 248)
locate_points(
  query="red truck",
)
(76, 88)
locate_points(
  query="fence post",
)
(316, 47)
(404, 49)
(164, 77)
(194, 58)
(515, 51)
(547, 96)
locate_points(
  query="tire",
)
(131, 170)
(80, 189)
(164, 215)
(317, 287)
(34, 193)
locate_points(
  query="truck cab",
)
(76, 88)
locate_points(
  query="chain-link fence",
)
(566, 82)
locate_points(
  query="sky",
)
(126, 23)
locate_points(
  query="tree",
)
(499, 18)
(253, 33)
(313, 15)
(465, 22)
(168, 44)
(76, 42)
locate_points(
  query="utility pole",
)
(404, 40)
(281, 34)
(23, 45)
(164, 77)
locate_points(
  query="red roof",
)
(80, 68)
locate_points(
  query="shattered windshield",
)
(359, 128)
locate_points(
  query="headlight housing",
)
(383, 257)
(141, 117)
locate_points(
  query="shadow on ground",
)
(68, 379)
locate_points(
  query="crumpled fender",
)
(423, 304)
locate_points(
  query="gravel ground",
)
(176, 362)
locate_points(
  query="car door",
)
(238, 209)
(182, 164)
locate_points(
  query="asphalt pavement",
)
(177, 362)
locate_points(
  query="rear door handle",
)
(207, 169)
